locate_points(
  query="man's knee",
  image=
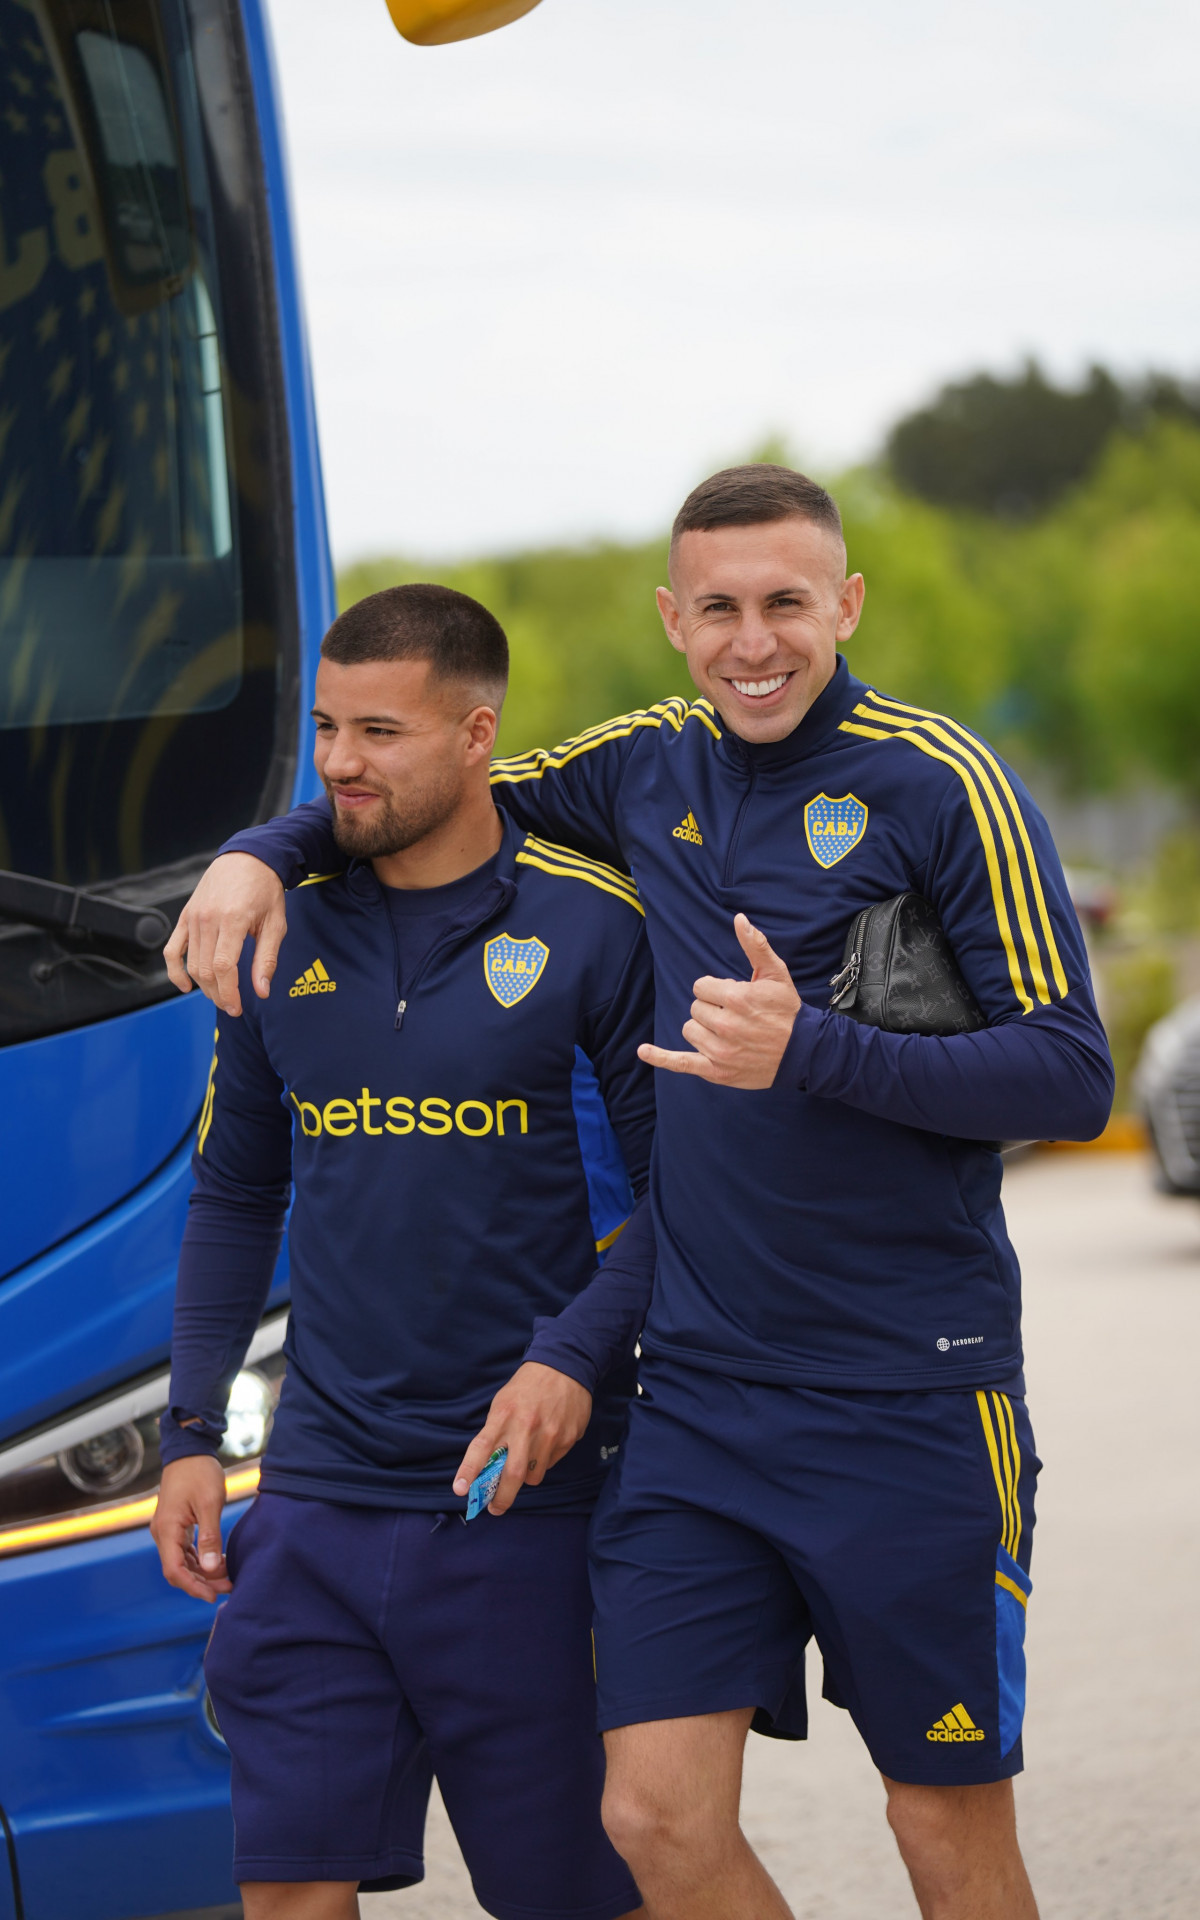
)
(938, 1827)
(644, 1825)
(671, 1792)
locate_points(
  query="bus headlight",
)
(248, 1416)
(96, 1470)
(107, 1462)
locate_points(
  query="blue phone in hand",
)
(483, 1486)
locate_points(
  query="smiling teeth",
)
(757, 688)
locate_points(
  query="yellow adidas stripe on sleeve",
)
(318, 879)
(985, 834)
(569, 857)
(979, 756)
(576, 866)
(539, 760)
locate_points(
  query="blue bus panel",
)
(164, 584)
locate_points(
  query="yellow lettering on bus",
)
(479, 1106)
(76, 234)
(502, 1105)
(340, 1117)
(405, 1121)
(429, 1111)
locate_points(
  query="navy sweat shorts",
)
(364, 1651)
(744, 1518)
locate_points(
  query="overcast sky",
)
(557, 274)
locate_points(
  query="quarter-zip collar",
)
(492, 899)
(832, 705)
(500, 891)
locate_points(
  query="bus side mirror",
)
(430, 23)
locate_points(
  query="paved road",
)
(1110, 1806)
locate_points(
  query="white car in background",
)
(1167, 1085)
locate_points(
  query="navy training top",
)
(441, 1191)
(842, 1228)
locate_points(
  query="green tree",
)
(1007, 447)
(1072, 640)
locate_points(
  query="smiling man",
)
(831, 1438)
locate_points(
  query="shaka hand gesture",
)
(739, 1028)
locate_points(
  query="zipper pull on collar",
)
(399, 1021)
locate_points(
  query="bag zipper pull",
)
(399, 1022)
(847, 978)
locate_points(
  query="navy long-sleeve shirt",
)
(425, 1098)
(843, 1227)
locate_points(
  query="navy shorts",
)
(894, 1528)
(364, 1651)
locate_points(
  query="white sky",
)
(556, 274)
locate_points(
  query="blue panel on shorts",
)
(1010, 1647)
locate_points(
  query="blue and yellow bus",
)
(164, 582)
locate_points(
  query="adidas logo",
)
(688, 830)
(314, 979)
(956, 1725)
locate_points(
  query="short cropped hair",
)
(461, 640)
(752, 496)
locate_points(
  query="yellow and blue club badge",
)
(834, 827)
(513, 968)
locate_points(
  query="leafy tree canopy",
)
(1012, 447)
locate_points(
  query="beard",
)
(398, 822)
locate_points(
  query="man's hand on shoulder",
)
(186, 1527)
(238, 897)
(538, 1415)
(739, 1028)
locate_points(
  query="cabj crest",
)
(513, 967)
(833, 827)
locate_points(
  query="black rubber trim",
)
(18, 1899)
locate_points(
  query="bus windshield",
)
(144, 616)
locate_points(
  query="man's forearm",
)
(599, 1330)
(293, 844)
(1046, 1076)
(225, 1267)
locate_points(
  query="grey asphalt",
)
(1110, 1803)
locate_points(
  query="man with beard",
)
(453, 993)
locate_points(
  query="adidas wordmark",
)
(688, 830)
(955, 1726)
(314, 979)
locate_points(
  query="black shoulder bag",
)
(899, 972)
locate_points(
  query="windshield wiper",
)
(46, 903)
